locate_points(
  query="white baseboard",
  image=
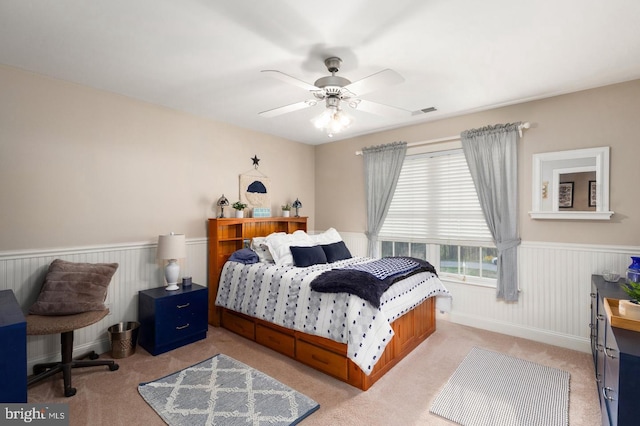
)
(538, 335)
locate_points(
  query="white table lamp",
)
(172, 247)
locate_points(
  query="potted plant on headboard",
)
(285, 210)
(239, 208)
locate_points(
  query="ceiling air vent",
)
(424, 111)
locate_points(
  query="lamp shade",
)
(297, 205)
(171, 246)
(223, 201)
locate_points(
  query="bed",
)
(338, 333)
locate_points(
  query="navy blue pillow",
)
(245, 255)
(336, 251)
(307, 256)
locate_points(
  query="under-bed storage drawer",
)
(238, 324)
(321, 359)
(275, 340)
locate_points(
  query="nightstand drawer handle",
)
(182, 327)
(605, 392)
(182, 306)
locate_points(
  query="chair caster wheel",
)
(113, 367)
(69, 392)
(93, 355)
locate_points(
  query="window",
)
(435, 215)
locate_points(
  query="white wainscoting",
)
(356, 242)
(555, 282)
(24, 271)
(555, 285)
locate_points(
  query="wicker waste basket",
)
(124, 337)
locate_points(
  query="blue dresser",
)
(13, 357)
(171, 319)
(616, 356)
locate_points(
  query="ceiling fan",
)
(335, 90)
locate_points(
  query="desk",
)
(13, 357)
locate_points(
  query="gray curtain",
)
(492, 155)
(382, 165)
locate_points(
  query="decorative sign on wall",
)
(255, 188)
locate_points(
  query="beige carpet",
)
(403, 396)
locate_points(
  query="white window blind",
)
(436, 201)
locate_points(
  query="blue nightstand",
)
(171, 319)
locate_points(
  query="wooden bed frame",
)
(227, 235)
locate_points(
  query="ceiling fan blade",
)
(374, 82)
(379, 109)
(288, 108)
(291, 80)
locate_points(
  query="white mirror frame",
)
(601, 156)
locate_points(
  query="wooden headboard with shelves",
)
(227, 235)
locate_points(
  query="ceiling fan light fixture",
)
(332, 120)
(334, 89)
(341, 121)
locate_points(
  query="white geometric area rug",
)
(223, 391)
(491, 389)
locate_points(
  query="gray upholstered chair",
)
(65, 325)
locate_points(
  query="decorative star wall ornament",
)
(256, 161)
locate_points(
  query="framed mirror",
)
(571, 184)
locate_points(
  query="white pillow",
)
(279, 245)
(329, 236)
(260, 248)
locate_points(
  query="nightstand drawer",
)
(170, 319)
(177, 321)
(171, 334)
(178, 305)
(181, 313)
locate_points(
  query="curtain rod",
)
(521, 127)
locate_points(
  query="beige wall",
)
(607, 116)
(80, 166)
(83, 167)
